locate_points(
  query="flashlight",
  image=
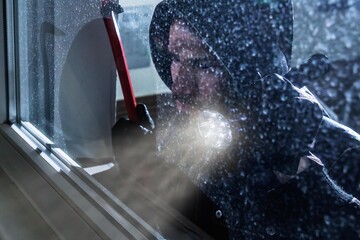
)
(214, 129)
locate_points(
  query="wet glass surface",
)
(244, 132)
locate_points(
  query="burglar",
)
(262, 149)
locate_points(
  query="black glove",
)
(131, 139)
(145, 125)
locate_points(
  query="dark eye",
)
(174, 57)
(202, 64)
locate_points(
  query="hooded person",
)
(263, 167)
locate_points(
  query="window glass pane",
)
(259, 92)
(62, 71)
(242, 134)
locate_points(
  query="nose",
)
(183, 79)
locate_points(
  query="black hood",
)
(248, 37)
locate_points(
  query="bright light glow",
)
(214, 129)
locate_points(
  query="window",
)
(249, 99)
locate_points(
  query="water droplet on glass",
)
(270, 231)
(243, 118)
(218, 214)
(283, 97)
(327, 220)
(331, 93)
(265, 111)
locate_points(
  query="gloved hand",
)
(145, 125)
(129, 138)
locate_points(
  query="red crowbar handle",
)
(108, 9)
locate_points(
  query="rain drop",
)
(218, 214)
(270, 231)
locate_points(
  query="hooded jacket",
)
(252, 39)
(278, 122)
(243, 42)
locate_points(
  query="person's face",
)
(196, 73)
